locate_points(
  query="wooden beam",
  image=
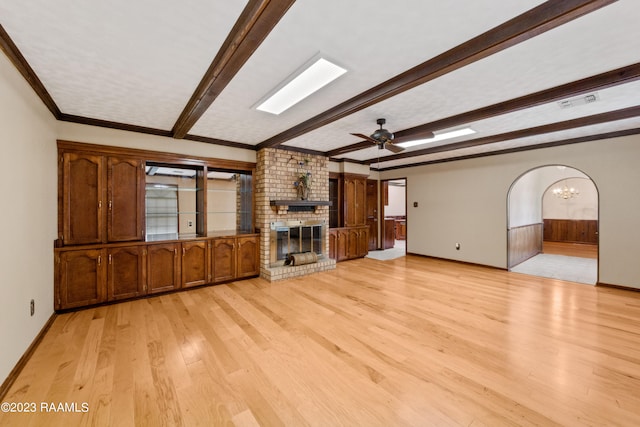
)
(15, 56)
(257, 20)
(601, 81)
(595, 119)
(579, 140)
(538, 20)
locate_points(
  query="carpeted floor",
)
(573, 269)
(398, 250)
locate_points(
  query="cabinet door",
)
(363, 242)
(81, 207)
(82, 278)
(342, 244)
(163, 268)
(349, 202)
(195, 258)
(333, 244)
(126, 273)
(248, 255)
(125, 216)
(353, 243)
(224, 259)
(360, 201)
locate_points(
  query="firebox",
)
(292, 237)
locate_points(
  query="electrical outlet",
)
(32, 307)
(190, 224)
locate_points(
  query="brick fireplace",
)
(276, 172)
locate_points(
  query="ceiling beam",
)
(257, 20)
(538, 20)
(578, 140)
(598, 82)
(625, 113)
(15, 56)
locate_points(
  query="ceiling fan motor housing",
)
(382, 135)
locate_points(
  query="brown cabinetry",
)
(235, 257)
(101, 254)
(163, 268)
(125, 199)
(81, 278)
(224, 259)
(82, 185)
(195, 263)
(355, 199)
(109, 194)
(348, 242)
(248, 256)
(126, 272)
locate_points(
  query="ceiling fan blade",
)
(393, 148)
(366, 138)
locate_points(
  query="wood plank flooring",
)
(413, 341)
(582, 250)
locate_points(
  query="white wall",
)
(28, 220)
(466, 202)
(397, 201)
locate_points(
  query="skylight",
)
(320, 73)
(438, 137)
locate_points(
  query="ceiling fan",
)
(381, 137)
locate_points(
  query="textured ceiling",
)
(137, 64)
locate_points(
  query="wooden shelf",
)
(283, 206)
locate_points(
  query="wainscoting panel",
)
(571, 230)
(524, 242)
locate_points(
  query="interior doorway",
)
(392, 220)
(552, 226)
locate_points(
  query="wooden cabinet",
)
(195, 263)
(389, 233)
(355, 200)
(81, 190)
(81, 278)
(248, 256)
(348, 242)
(109, 193)
(224, 259)
(125, 199)
(126, 272)
(163, 268)
(401, 229)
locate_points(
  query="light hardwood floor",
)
(413, 341)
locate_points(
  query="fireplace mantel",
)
(283, 206)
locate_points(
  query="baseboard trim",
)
(13, 375)
(624, 288)
(458, 261)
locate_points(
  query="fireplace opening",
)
(294, 237)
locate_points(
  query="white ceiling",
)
(138, 63)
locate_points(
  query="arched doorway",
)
(553, 233)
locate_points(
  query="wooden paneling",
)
(571, 230)
(523, 243)
(372, 213)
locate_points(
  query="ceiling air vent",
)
(580, 100)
